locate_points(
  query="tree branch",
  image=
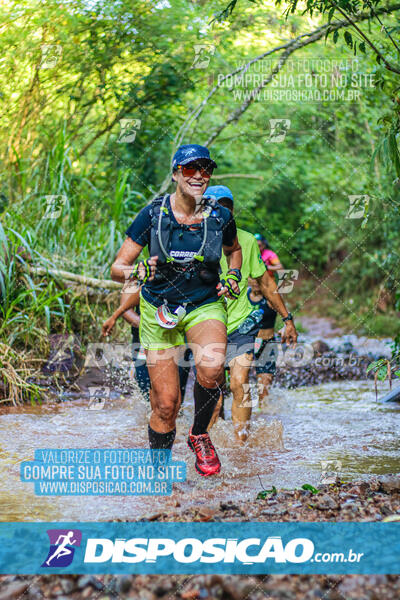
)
(67, 276)
(288, 48)
(373, 13)
(291, 47)
(370, 44)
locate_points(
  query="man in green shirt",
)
(240, 351)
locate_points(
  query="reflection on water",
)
(290, 437)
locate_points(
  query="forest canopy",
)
(300, 111)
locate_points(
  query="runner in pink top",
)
(270, 258)
(266, 335)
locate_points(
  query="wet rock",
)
(110, 586)
(163, 589)
(351, 507)
(34, 593)
(86, 580)
(326, 503)
(230, 506)
(191, 594)
(14, 590)
(154, 517)
(206, 513)
(390, 483)
(345, 347)
(356, 490)
(385, 510)
(374, 485)
(123, 584)
(274, 510)
(320, 347)
(146, 595)
(268, 512)
(67, 585)
(97, 583)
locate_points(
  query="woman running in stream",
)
(182, 295)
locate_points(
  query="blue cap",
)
(260, 238)
(218, 192)
(189, 153)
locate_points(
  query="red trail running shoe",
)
(207, 461)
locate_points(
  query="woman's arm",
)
(233, 255)
(128, 253)
(122, 266)
(234, 259)
(270, 292)
(132, 317)
(274, 265)
(129, 299)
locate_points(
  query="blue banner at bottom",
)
(242, 548)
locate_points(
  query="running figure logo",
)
(61, 550)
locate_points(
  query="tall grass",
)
(28, 312)
(94, 211)
(83, 236)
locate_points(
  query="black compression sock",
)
(161, 441)
(205, 400)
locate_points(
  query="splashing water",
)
(291, 440)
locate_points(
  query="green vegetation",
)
(71, 183)
(310, 488)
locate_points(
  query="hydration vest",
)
(206, 262)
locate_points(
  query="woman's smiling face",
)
(194, 183)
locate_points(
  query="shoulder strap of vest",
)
(160, 234)
(156, 204)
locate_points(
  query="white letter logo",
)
(290, 550)
(107, 549)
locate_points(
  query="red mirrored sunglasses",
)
(190, 171)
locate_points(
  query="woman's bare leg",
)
(165, 391)
(241, 401)
(264, 380)
(208, 343)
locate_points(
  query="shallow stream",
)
(339, 423)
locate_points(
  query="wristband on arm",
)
(227, 283)
(232, 275)
(288, 318)
(135, 272)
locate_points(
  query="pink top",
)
(268, 256)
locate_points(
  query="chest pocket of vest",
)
(213, 247)
(166, 234)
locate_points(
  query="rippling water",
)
(289, 439)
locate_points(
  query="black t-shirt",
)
(178, 289)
